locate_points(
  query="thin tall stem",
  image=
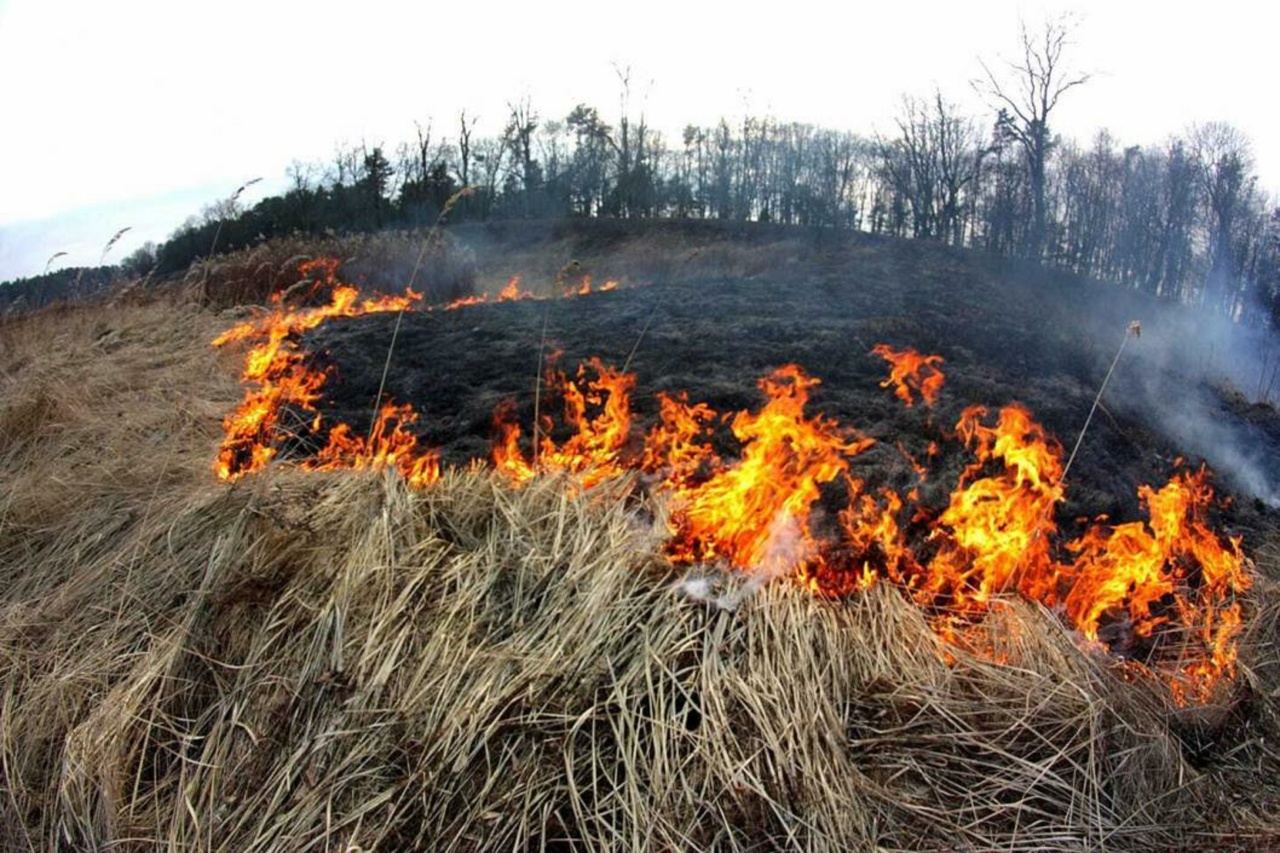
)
(1134, 330)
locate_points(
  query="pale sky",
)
(139, 112)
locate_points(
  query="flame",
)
(1164, 595)
(1168, 582)
(278, 367)
(910, 372)
(597, 411)
(387, 446)
(512, 291)
(585, 287)
(677, 448)
(285, 386)
(996, 532)
(755, 513)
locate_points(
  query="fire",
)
(597, 411)
(677, 446)
(288, 388)
(512, 291)
(1170, 582)
(755, 513)
(387, 446)
(912, 372)
(278, 367)
(585, 288)
(996, 533)
(776, 495)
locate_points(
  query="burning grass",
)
(336, 659)
(1167, 593)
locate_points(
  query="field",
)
(335, 660)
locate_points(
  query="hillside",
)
(336, 659)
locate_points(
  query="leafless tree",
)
(1025, 96)
(932, 164)
(465, 130)
(1224, 165)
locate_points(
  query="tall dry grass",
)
(335, 662)
(384, 262)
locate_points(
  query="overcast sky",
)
(139, 112)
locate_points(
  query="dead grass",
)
(330, 662)
(383, 262)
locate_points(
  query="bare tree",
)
(465, 129)
(1224, 167)
(1025, 101)
(518, 137)
(932, 164)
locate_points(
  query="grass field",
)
(335, 661)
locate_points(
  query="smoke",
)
(1195, 378)
(786, 548)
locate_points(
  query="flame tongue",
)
(996, 532)
(387, 446)
(278, 367)
(598, 412)
(1170, 582)
(755, 513)
(912, 373)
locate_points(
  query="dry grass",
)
(383, 262)
(308, 662)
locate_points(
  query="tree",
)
(374, 186)
(588, 183)
(518, 138)
(1223, 169)
(931, 165)
(1025, 102)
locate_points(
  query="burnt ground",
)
(1008, 332)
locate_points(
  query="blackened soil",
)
(1008, 333)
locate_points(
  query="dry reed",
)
(336, 662)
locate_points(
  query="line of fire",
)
(1163, 596)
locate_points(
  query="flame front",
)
(1166, 594)
(997, 531)
(278, 367)
(597, 411)
(1169, 585)
(386, 446)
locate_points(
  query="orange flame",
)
(1165, 594)
(387, 446)
(1170, 582)
(996, 531)
(910, 371)
(755, 513)
(278, 366)
(597, 410)
(512, 291)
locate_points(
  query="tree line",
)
(1184, 219)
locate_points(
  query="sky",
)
(139, 113)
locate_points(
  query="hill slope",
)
(303, 660)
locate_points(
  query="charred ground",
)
(707, 311)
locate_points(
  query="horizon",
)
(160, 147)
